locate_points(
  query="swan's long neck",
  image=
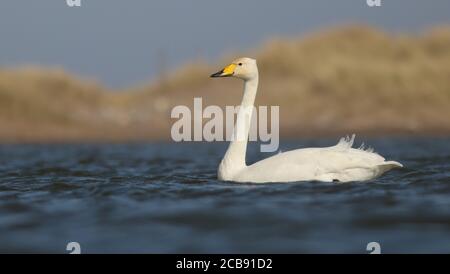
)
(234, 159)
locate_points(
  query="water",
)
(156, 198)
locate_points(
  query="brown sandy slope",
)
(350, 79)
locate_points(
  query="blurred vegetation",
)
(339, 81)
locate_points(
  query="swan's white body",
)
(337, 163)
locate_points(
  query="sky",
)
(120, 42)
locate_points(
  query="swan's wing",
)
(340, 162)
(328, 159)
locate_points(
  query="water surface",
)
(152, 198)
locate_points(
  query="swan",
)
(339, 163)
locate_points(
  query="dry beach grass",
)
(339, 81)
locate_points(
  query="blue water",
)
(153, 198)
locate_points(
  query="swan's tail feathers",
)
(393, 164)
(388, 165)
(346, 142)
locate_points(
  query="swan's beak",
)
(226, 72)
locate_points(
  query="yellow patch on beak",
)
(227, 71)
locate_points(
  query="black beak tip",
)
(217, 74)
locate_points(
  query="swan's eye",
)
(240, 64)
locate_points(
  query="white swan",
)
(337, 163)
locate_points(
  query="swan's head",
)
(243, 68)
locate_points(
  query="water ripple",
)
(160, 198)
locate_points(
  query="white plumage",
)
(336, 163)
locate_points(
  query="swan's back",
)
(336, 163)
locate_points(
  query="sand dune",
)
(345, 80)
